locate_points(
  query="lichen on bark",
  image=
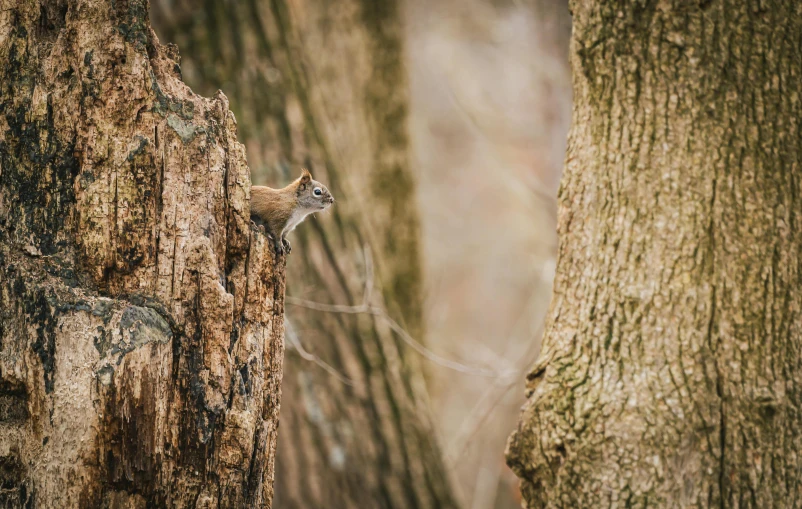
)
(141, 319)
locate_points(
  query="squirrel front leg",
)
(286, 244)
(277, 241)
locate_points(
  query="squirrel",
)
(281, 210)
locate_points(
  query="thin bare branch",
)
(296, 343)
(379, 311)
(489, 400)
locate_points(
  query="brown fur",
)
(275, 207)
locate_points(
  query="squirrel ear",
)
(305, 175)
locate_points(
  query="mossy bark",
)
(141, 319)
(322, 84)
(670, 370)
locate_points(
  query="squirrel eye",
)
(317, 191)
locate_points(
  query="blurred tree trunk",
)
(141, 322)
(323, 84)
(669, 375)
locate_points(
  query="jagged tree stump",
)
(323, 84)
(141, 319)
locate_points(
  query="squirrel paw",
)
(286, 244)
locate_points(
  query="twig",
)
(366, 308)
(476, 418)
(482, 409)
(404, 335)
(296, 343)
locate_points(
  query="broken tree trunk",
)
(324, 85)
(141, 319)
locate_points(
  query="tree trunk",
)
(669, 370)
(323, 84)
(141, 320)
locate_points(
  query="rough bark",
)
(670, 371)
(323, 84)
(141, 320)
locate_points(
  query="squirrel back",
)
(282, 209)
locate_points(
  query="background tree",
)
(323, 84)
(669, 375)
(141, 321)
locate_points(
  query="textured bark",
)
(141, 320)
(670, 370)
(323, 84)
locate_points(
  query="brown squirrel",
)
(281, 210)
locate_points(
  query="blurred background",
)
(491, 103)
(481, 97)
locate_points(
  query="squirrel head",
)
(312, 195)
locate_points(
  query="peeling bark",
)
(141, 319)
(323, 84)
(670, 371)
